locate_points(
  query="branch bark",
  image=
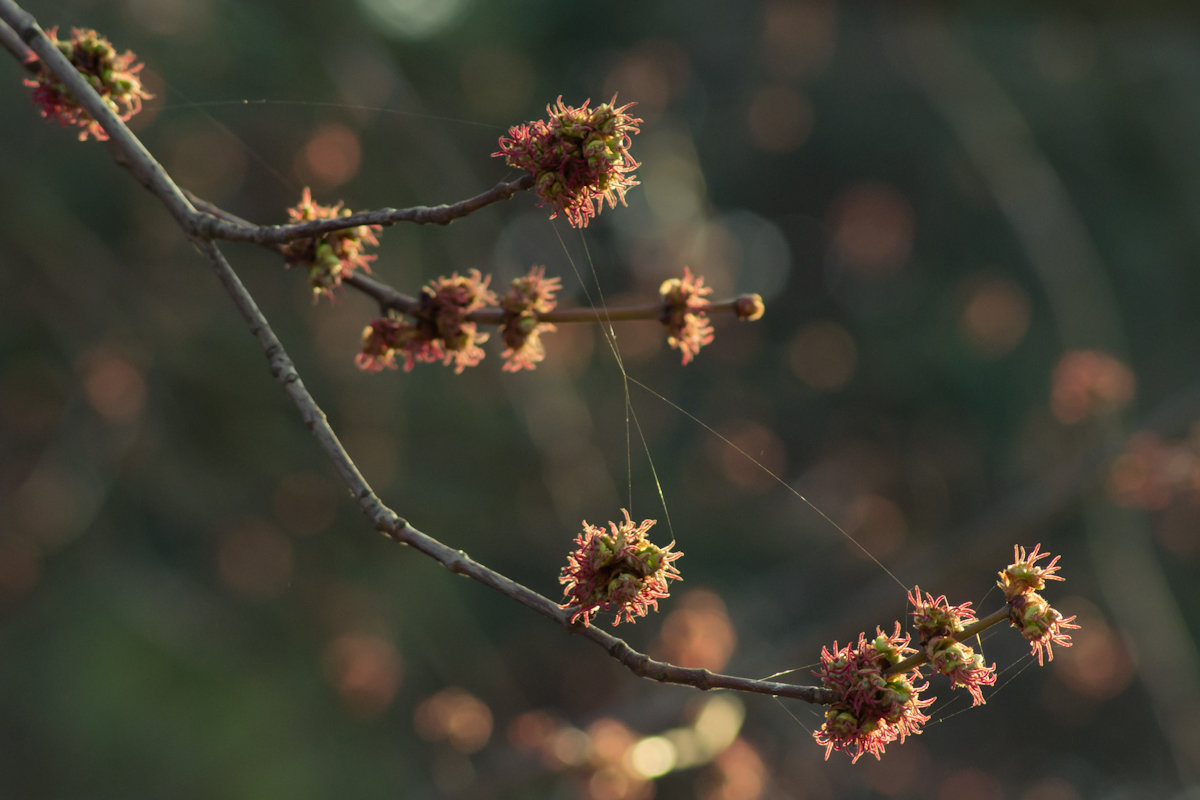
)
(213, 227)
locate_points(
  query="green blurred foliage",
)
(936, 206)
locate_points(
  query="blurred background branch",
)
(1030, 193)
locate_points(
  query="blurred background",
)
(975, 233)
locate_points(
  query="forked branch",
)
(203, 225)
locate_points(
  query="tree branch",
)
(213, 227)
(389, 298)
(13, 44)
(203, 227)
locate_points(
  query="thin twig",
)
(214, 228)
(389, 298)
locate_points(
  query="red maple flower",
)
(332, 256)
(1022, 576)
(938, 625)
(379, 342)
(936, 617)
(1040, 624)
(1028, 612)
(445, 304)
(439, 330)
(529, 298)
(579, 157)
(684, 301)
(114, 77)
(962, 665)
(619, 571)
(873, 709)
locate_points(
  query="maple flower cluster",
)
(939, 625)
(684, 301)
(523, 304)
(439, 328)
(114, 77)
(578, 156)
(878, 701)
(439, 331)
(873, 708)
(618, 570)
(1041, 625)
(334, 255)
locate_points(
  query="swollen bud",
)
(749, 307)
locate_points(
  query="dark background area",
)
(937, 206)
